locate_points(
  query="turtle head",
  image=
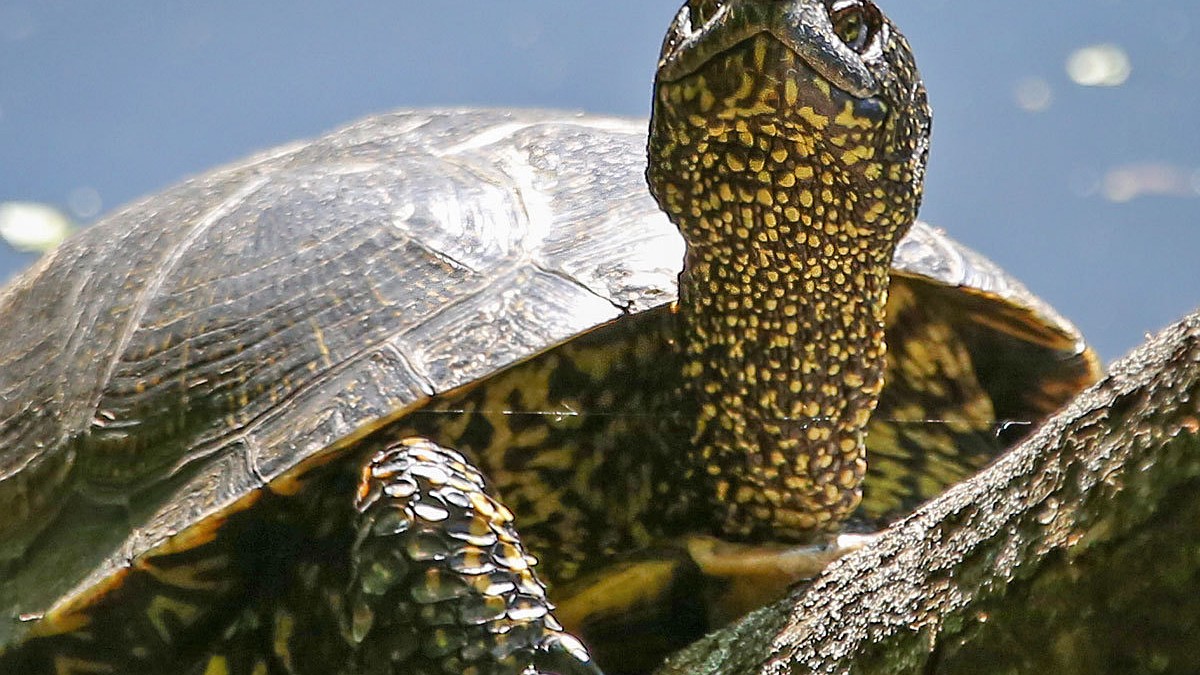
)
(788, 144)
(819, 94)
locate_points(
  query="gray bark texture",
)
(1076, 552)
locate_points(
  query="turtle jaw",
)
(791, 193)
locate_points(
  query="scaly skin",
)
(791, 194)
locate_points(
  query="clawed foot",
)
(744, 577)
(562, 654)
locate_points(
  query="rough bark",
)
(1077, 552)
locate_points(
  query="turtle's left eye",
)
(855, 22)
(701, 11)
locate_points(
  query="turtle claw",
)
(849, 543)
(747, 576)
(562, 654)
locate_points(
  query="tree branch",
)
(1077, 552)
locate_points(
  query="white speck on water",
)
(1102, 65)
(1033, 94)
(84, 202)
(33, 227)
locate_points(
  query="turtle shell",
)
(167, 362)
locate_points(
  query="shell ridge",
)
(148, 292)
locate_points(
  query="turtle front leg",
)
(441, 582)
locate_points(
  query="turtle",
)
(453, 392)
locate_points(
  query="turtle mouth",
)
(805, 27)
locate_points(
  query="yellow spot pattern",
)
(791, 205)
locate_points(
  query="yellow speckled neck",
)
(792, 195)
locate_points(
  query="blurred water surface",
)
(1066, 143)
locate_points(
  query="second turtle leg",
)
(440, 582)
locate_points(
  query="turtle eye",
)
(701, 11)
(855, 22)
